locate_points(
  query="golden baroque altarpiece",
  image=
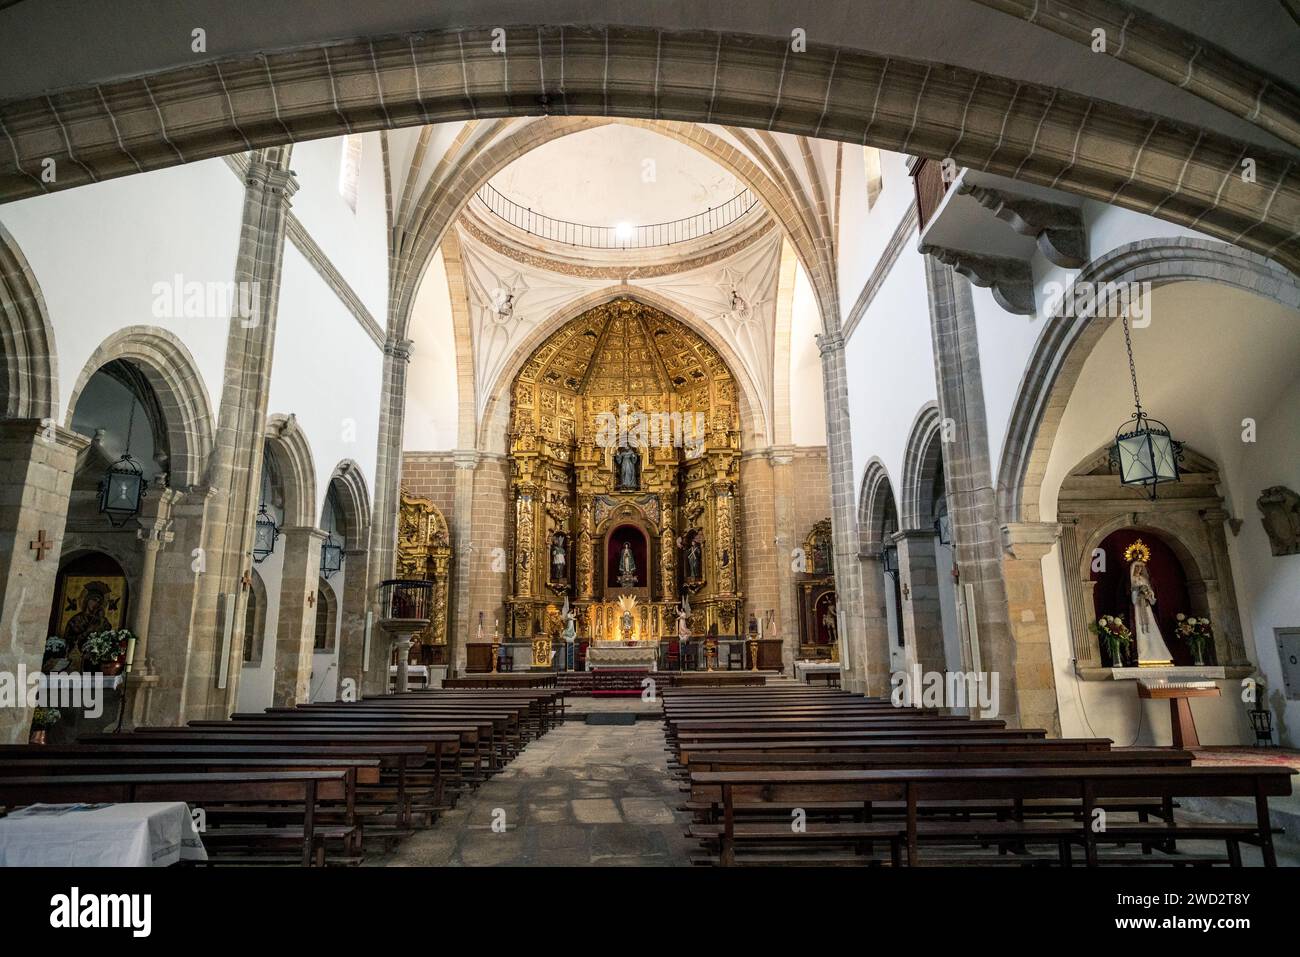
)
(624, 441)
(424, 552)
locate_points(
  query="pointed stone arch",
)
(183, 402)
(922, 463)
(28, 368)
(287, 444)
(875, 501)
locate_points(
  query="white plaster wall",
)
(807, 401)
(325, 665)
(327, 372)
(431, 393)
(890, 362)
(97, 251)
(863, 234)
(257, 680)
(353, 242)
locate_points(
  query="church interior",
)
(436, 437)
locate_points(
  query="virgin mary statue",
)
(1151, 647)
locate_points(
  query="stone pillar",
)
(1025, 545)
(921, 618)
(353, 606)
(295, 631)
(465, 619)
(35, 483)
(844, 521)
(787, 539)
(383, 512)
(875, 620)
(155, 531)
(235, 467)
(1221, 597)
(968, 482)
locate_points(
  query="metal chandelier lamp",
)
(1146, 454)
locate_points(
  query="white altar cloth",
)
(146, 834)
(803, 667)
(610, 655)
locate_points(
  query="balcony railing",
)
(617, 237)
(406, 599)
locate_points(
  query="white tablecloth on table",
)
(803, 668)
(644, 655)
(100, 835)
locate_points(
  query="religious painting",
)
(88, 604)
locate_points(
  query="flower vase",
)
(1198, 654)
(110, 668)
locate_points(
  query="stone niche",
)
(1189, 517)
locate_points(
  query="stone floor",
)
(583, 795)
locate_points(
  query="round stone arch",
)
(28, 367)
(172, 373)
(287, 444)
(353, 496)
(496, 411)
(922, 462)
(874, 502)
(1025, 130)
(1070, 335)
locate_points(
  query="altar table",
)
(145, 834)
(613, 655)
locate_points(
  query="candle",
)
(130, 651)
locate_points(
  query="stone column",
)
(1025, 545)
(383, 512)
(875, 619)
(844, 521)
(968, 482)
(295, 631)
(235, 467)
(464, 621)
(787, 539)
(155, 531)
(921, 618)
(352, 625)
(35, 483)
(1222, 594)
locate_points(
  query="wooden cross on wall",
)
(311, 599)
(41, 545)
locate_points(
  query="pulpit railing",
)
(405, 599)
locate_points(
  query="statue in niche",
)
(1281, 517)
(1151, 647)
(627, 572)
(559, 558)
(829, 621)
(627, 469)
(695, 559)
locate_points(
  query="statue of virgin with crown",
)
(1151, 648)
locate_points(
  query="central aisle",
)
(584, 795)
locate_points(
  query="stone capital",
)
(1029, 540)
(304, 532)
(466, 458)
(829, 343)
(36, 431)
(398, 348)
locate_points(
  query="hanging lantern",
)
(265, 532)
(889, 558)
(121, 490)
(331, 556)
(1144, 451)
(122, 487)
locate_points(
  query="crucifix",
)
(311, 599)
(41, 545)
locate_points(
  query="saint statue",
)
(627, 468)
(627, 576)
(559, 558)
(684, 620)
(828, 619)
(1151, 647)
(694, 560)
(570, 632)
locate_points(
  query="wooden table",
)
(1180, 709)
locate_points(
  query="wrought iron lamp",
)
(122, 488)
(265, 531)
(1144, 451)
(889, 558)
(331, 556)
(943, 524)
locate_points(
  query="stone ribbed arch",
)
(1037, 134)
(874, 502)
(442, 200)
(922, 462)
(30, 370)
(287, 444)
(492, 430)
(1070, 335)
(353, 496)
(173, 375)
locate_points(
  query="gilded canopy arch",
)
(624, 437)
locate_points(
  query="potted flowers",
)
(42, 720)
(106, 650)
(1115, 637)
(1196, 632)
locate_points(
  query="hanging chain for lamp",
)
(122, 487)
(1145, 452)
